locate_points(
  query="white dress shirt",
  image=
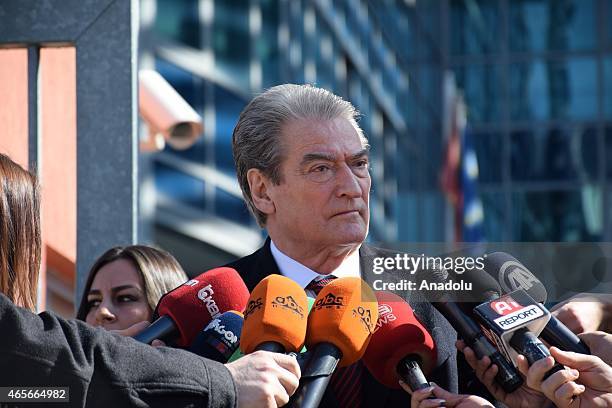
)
(303, 275)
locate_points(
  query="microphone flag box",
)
(502, 317)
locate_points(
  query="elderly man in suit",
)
(303, 165)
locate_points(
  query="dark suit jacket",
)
(253, 268)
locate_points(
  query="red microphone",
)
(400, 348)
(185, 310)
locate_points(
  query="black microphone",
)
(514, 320)
(507, 375)
(513, 275)
(220, 338)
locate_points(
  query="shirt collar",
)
(303, 275)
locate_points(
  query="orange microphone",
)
(275, 317)
(340, 325)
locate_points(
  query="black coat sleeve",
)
(104, 369)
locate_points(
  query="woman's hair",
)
(20, 242)
(160, 272)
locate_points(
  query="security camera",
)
(168, 116)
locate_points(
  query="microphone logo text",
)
(227, 334)
(385, 315)
(288, 303)
(205, 295)
(505, 305)
(365, 316)
(329, 301)
(252, 307)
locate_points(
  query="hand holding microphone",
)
(435, 396)
(586, 383)
(502, 266)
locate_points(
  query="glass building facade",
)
(536, 77)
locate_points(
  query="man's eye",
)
(362, 163)
(320, 169)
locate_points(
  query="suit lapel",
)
(263, 265)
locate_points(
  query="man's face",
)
(323, 198)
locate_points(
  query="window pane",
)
(554, 90)
(474, 27)
(178, 20)
(554, 154)
(494, 220)
(608, 142)
(482, 89)
(267, 42)
(179, 186)
(231, 40)
(538, 25)
(572, 216)
(227, 109)
(607, 86)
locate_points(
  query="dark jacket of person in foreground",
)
(102, 369)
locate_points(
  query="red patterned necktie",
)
(346, 381)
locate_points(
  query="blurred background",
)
(489, 120)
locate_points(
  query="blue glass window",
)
(178, 20)
(556, 216)
(538, 25)
(554, 90)
(474, 27)
(555, 154)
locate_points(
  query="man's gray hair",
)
(256, 138)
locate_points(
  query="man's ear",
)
(258, 184)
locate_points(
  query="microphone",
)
(220, 338)
(513, 275)
(507, 375)
(194, 304)
(514, 320)
(339, 328)
(275, 317)
(400, 348)
(239, 354)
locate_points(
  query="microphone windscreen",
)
(398, 334)
(484, 287)
(276, 312)
(196, 302)
(239, 354)
(513, 275)
(344, 314)
(220, 338)
(434, 275)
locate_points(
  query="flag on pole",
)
(459, 178)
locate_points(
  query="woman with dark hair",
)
(20, 242)
(125, 284)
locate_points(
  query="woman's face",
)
(116, 298)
